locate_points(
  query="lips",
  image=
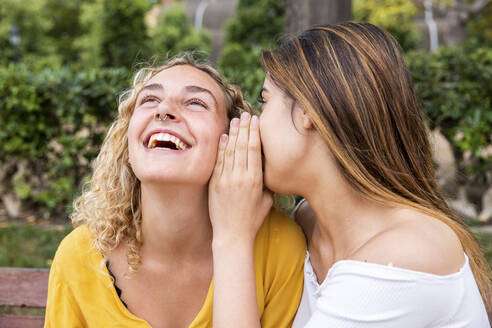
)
(166, 139)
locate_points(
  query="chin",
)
(281, 181)
(171, 178)
(274, 182)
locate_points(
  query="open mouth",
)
(164, 140)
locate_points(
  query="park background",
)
(64, 63)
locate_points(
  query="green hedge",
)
(53, 122)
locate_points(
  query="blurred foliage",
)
(455, 89)
(174, 33)
(30, 246)
(27, 16)
(53, 122)
(65, 27)
(485, 240)
(480, 28)
(396, 16)
(257, 24)
(243, 67)
(94, 33)
(117, 31)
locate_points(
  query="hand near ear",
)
(238, 205)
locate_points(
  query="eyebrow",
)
(263, 90)
(189, 88)
(195, 88)
(153, 86)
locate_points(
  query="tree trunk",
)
(451, 20)
(452, 28)
(301, 14)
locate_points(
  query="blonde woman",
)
(142, 253)
(341, 127)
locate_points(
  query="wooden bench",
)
(26, 288)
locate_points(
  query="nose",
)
(162, 117)
(166, 112)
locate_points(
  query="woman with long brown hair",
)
(340, 126)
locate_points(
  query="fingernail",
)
(235, 122)
(223, 138)
(245, 115)
(254, 119)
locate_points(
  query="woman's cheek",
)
(209, 156)
(269, 131)
(266, 144)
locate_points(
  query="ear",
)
(307, 123)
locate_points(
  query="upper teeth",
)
(166, 137)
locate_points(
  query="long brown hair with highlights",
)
(352, 81)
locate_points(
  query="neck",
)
(175, 223)
(344, 219)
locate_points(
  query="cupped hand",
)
(238, 203)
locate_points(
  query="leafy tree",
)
(89, 43)
(65, 27)
(174, 33)
(257, 24)
(124, 34)
(396, 16)
(480, 28)
(27, 17)
(117, 34)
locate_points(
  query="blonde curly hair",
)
(110, 202)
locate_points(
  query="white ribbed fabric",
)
(357, 294)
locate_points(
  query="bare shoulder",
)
(416, 242)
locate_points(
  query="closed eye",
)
(197, 102)
(147, 99)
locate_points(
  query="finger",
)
(219, 163)
(231, 145)
(254, 146)
(241, 151)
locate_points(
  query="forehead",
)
(270, 86)
(181, 76)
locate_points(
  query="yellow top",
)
(80, 295)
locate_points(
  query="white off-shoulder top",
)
(357, 294)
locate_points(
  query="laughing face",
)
(173, 134)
